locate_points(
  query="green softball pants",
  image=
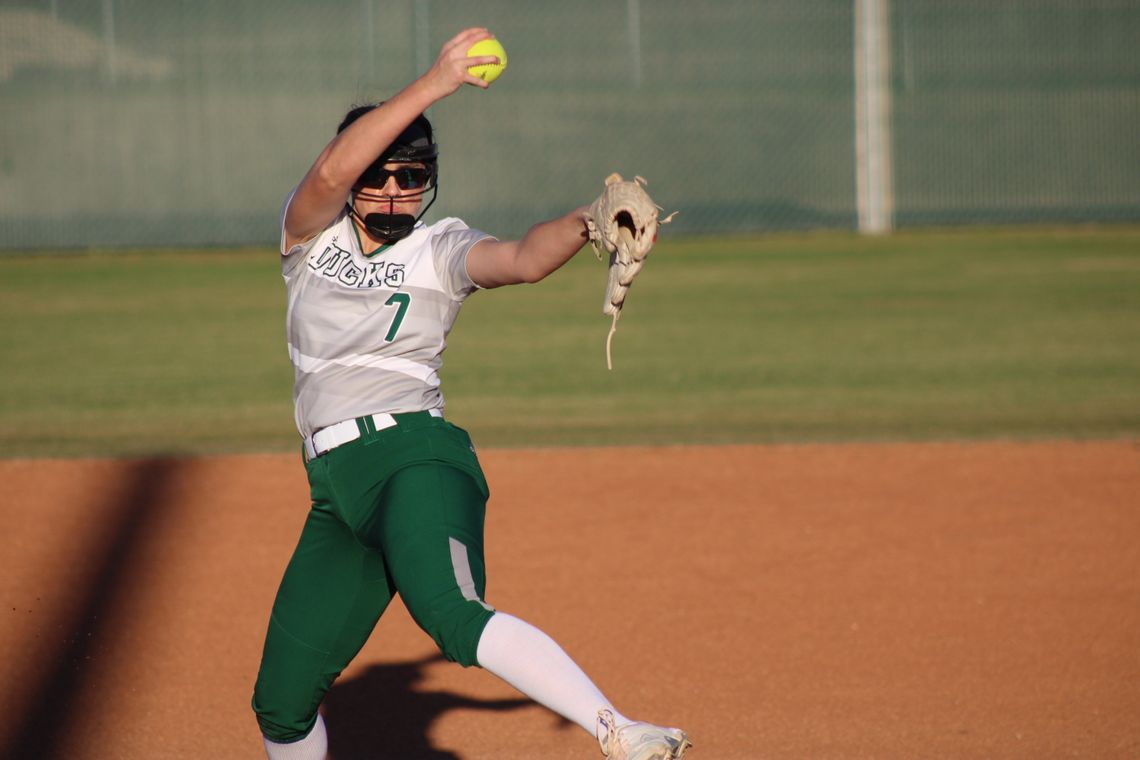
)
(400, 510)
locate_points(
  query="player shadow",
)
(383, 715)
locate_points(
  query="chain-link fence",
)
(186, 122)
(1018, 110)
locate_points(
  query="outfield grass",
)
(1018, 333)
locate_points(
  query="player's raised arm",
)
(325, 187)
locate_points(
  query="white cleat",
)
(639, 741)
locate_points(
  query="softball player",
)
(398, 496)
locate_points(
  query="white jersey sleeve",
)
(293, 256)
(452, 241)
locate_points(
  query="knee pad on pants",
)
(290, 687)
(454, 627)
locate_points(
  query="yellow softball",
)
(488, 72)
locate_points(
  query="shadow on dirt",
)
(383, 714)
(87, 627)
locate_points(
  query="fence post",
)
(421, 23)
(111, 65)
(874, 186)
(633, 31)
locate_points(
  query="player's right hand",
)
(449, 72)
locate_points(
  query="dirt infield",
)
(877, 601)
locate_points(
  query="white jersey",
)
(366, 334)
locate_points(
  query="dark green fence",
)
(185, 122)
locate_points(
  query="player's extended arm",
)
(544, 248)
(324, 190)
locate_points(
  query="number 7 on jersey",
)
(401, 301)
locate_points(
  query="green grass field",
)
(1007, 333)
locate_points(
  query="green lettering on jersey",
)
(402, 301)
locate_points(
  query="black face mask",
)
(388, 227)
(391, 227)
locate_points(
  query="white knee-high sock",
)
(315, 746)
(533, 663)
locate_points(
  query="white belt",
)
(328, 438)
